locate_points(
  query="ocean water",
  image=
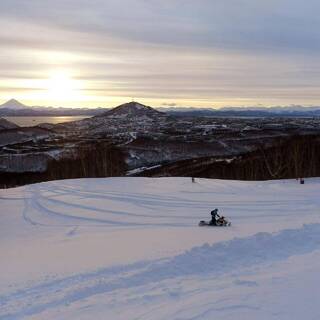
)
(33, 121)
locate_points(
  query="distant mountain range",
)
(289, 111)
(16, 108)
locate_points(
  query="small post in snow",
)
(301, 181)
(193, 179)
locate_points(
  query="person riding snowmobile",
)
(215, 217)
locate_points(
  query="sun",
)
(62, 87)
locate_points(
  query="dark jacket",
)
(215, 216)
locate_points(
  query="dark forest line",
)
(287, 158)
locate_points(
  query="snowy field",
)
(131, 248)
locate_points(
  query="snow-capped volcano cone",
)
(14, 105)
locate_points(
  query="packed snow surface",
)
(131, 248)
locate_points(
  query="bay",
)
(33, 121)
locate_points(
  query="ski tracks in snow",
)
(125, 284)
(59, 204)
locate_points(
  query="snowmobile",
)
(221, 222)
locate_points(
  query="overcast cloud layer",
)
(196, 53)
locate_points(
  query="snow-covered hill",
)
(130, 248)
(121, 123)
(133, 111)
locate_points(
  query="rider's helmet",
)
(214, 212)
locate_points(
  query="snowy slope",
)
(130, 248)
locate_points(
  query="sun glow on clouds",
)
(60, 86)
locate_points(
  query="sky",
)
(198, 53)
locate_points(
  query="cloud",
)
(205, 50)
(167, 104)
(234, 24)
